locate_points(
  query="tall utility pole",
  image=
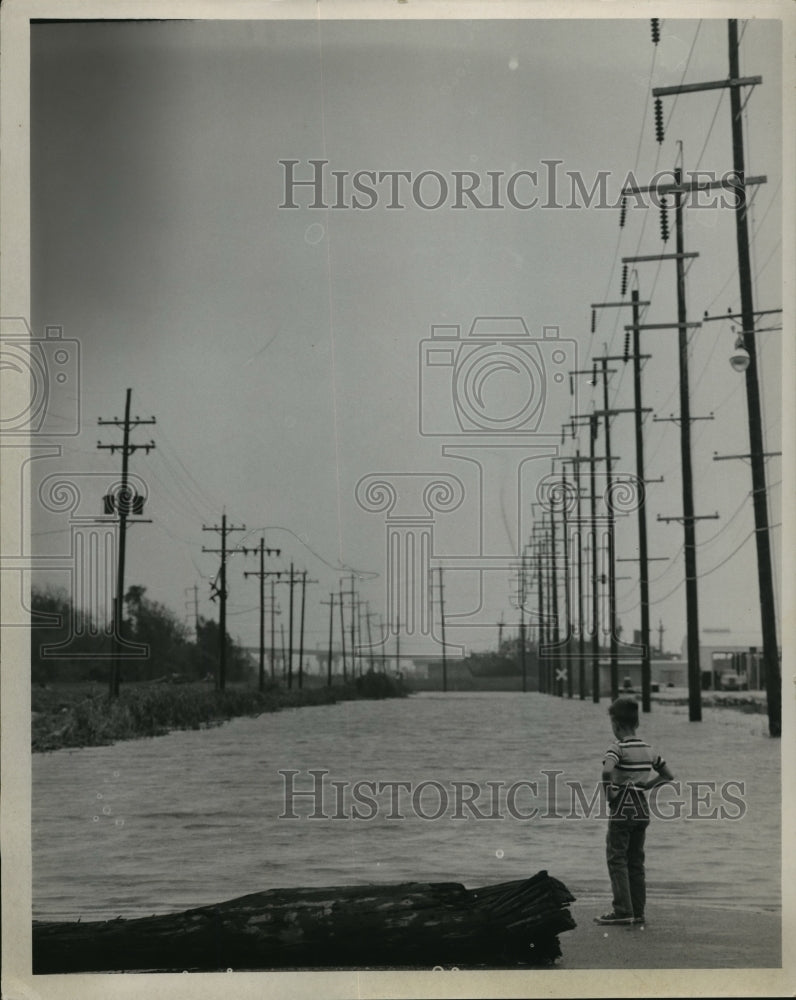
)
(768, 622)
(262, 574)
(291, 581)
(368, 615)
(442, 624)
(638, 412)
(124, 504)
(342, 631)
(577, 554)
(567, 595)
(221, 593)
(611, 542)
(274, 613)
(330, 602)
(523, 594)
(688, 518)
(607, 413)
(644, 577)
(595, 661)
(301, 629)
(740, 182)
(304, 582)
(540, 636)
(398, 645)
(592, 459)
(689, 524)
(556, 686)
(351, 592)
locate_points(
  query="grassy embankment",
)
(82, 714)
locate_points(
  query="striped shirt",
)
(631, 760)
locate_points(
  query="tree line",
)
(67, 644)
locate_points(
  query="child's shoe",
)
(613, 918)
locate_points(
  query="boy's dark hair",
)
(625, 712)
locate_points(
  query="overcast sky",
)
(279, 349)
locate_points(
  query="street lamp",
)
(739, 359)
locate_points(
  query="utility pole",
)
(124, 504)
(221, 593)
(607, 413)
(368, 615)
(768, 621)
(661, 630)
(540, 611)
(523, 594)
(398, 644)
(353, 595)
(261, 575)
(274, 613)
(291, 581)
(556, 686)
(304, 582)
(342, 632)
(592, 459)
(567, 603)
(688, 519)
(540, 617)
(740, 183)
(301, 629)
(442, 624)
(644, 580)
(578, 546)
(330, 602)
(638, 411)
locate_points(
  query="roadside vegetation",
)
(171, 688)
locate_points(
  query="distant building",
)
(724, 650)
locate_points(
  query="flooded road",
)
(191, 818)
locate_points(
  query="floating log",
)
(406, 925)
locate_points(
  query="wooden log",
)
(406, 925)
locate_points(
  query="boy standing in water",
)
(630, 767)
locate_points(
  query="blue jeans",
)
(625, 853)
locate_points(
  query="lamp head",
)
(739, 359)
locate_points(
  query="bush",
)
(78, 716)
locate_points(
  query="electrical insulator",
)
(624, 279)
(664, 220)
(593, 319)
(659, 119)
(627, 344)
(655, 24)
(622, 212)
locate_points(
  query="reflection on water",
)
(193, 818)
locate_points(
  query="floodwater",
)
(198, 817)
